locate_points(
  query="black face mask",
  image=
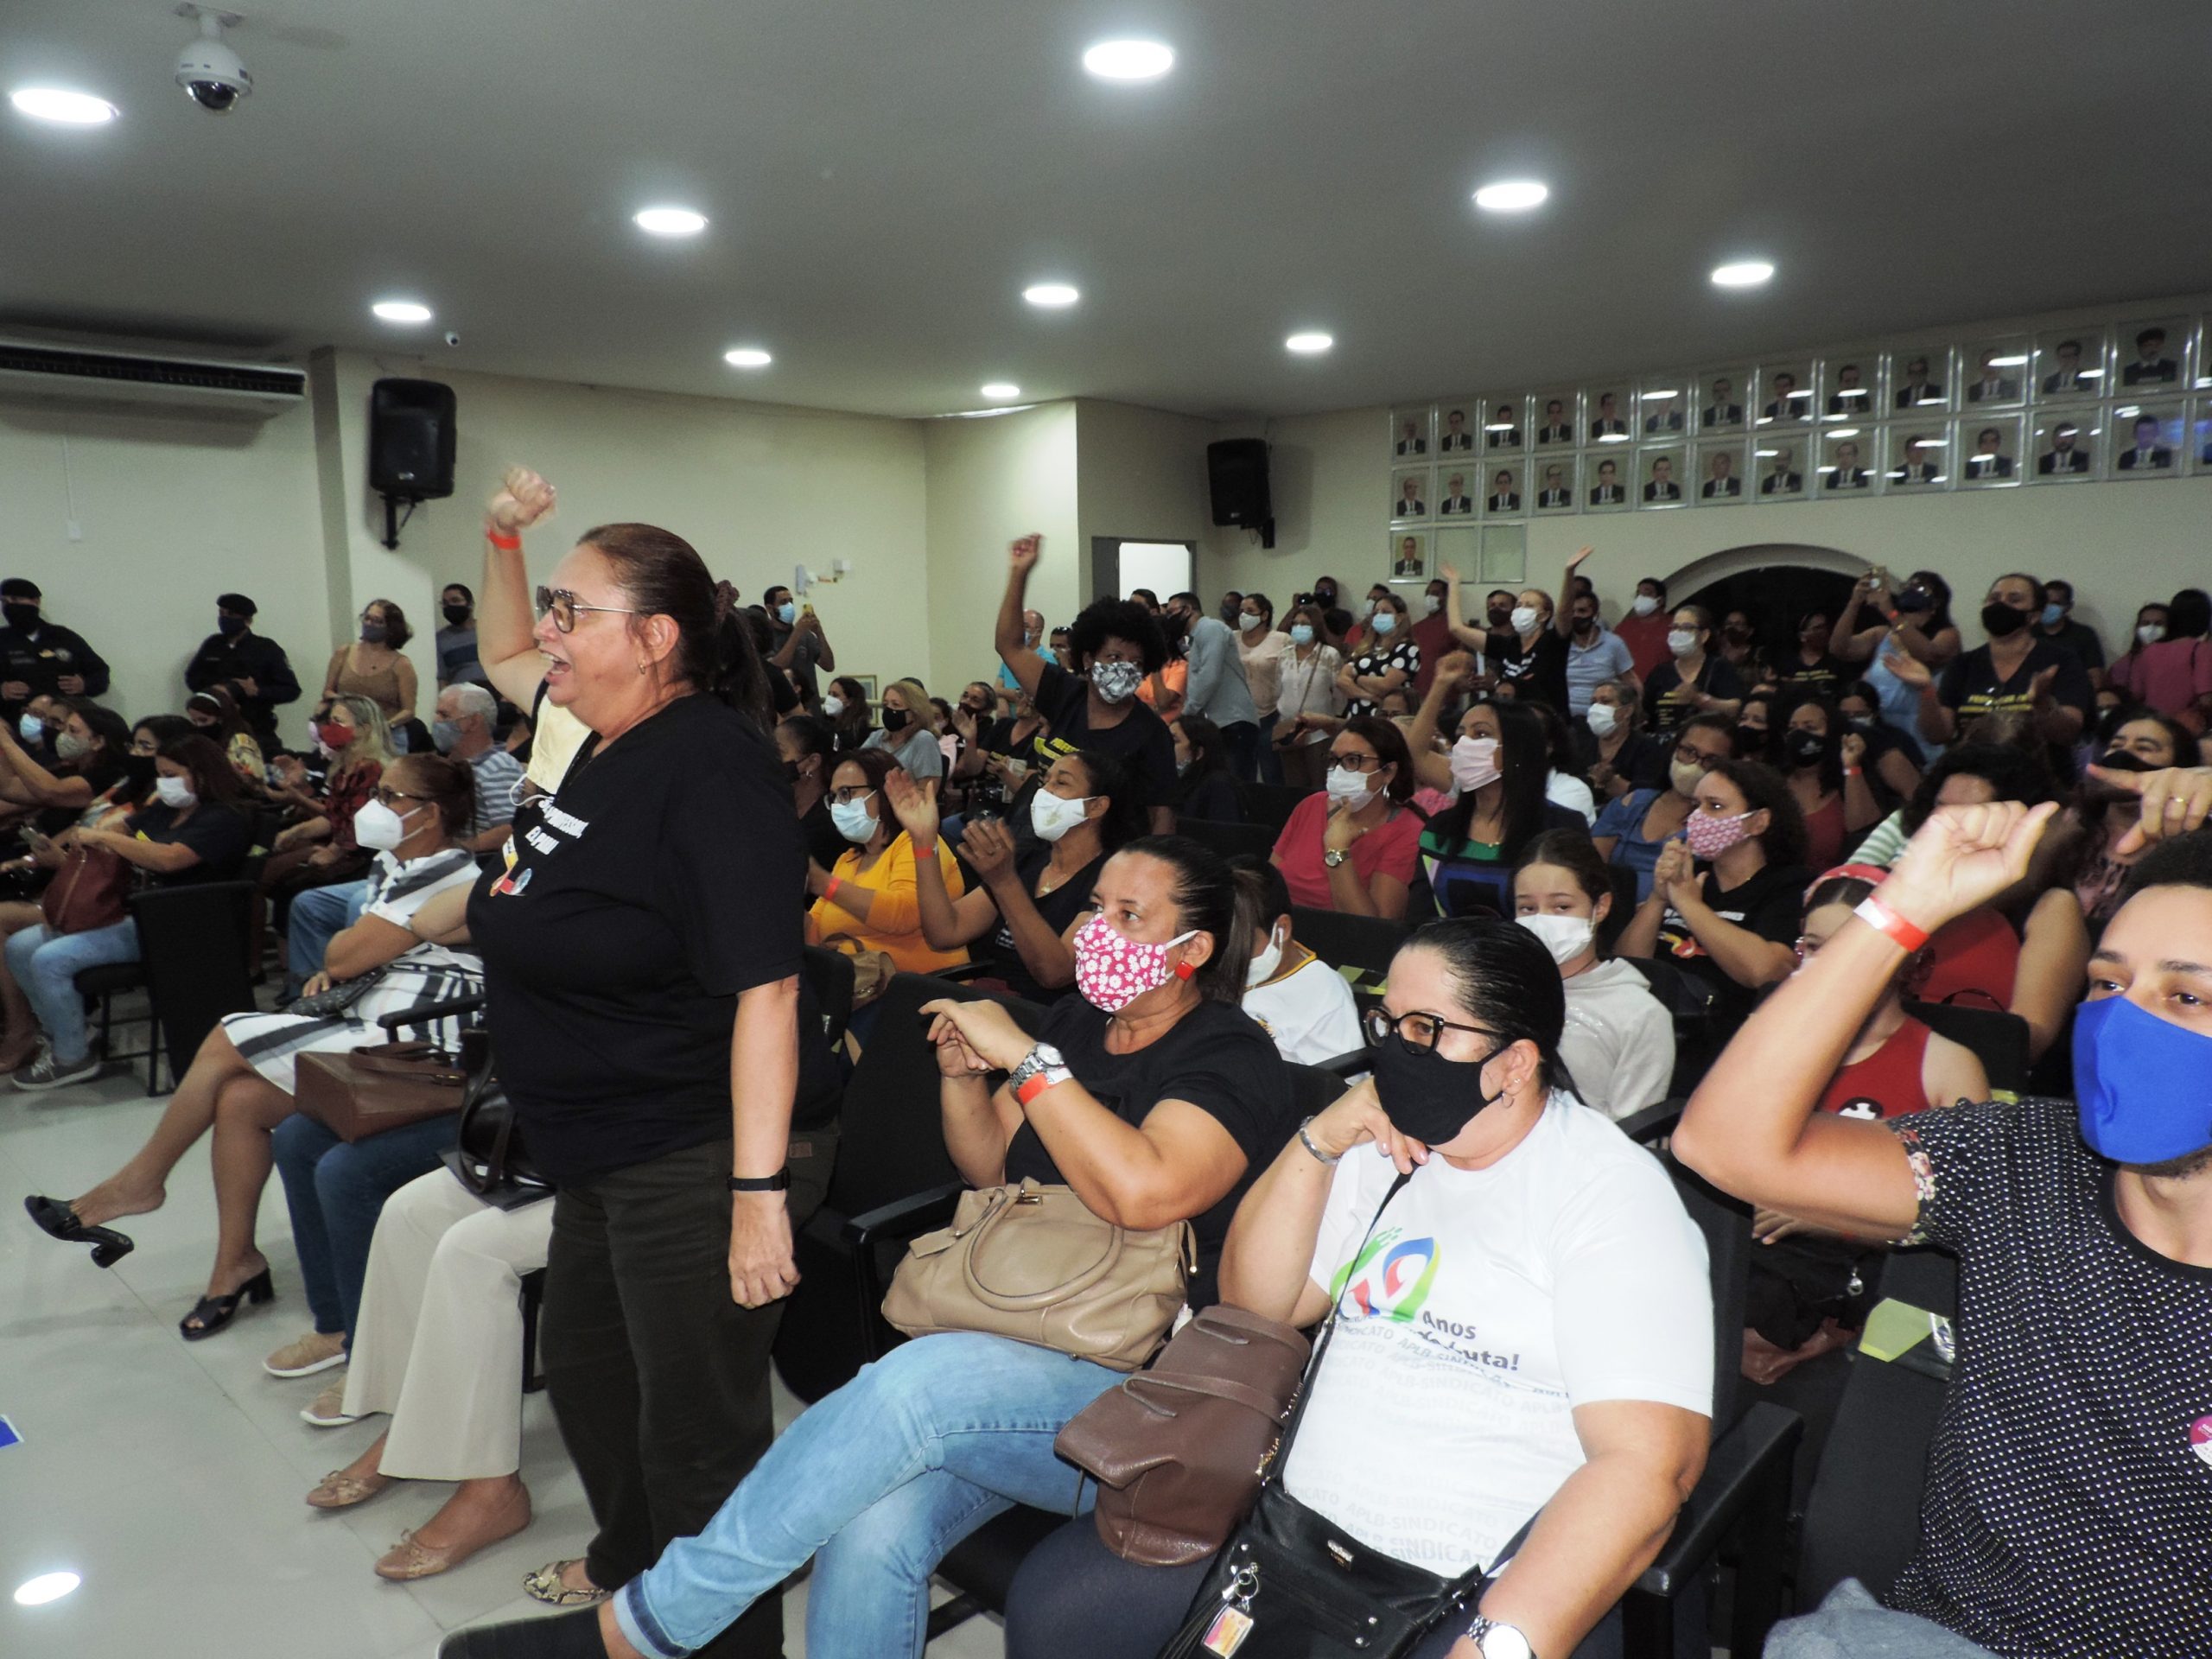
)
(1750, 740)
(1325, 598)
(20, 615)
(1501, 617)
(894, 720)
(1427, 1096)
(1916, 600)
(1805, 748)
(456, 614)
(791, 771)
(2002, 621)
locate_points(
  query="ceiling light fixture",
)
(2019, 360)
(1310, 344)
(1512, 196)
(1051, 295)
(1652, 397)
(1130, 59)
(747, 356)
(402, 310)
(670, 221)
(999, 391)
(62, 108)
(1742, 273)
(48, 1587)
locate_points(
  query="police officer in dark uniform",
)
(41, 657)
(254, 670)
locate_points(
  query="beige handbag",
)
(1031, 1262)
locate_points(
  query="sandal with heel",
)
(213, 1313)
(57, 1220)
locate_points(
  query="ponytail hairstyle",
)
(1208, 897)
(1506, 982)
(661, 575)
(1125, 818)
(446, 784)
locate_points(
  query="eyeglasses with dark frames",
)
(564, 605)
(1421, 1029)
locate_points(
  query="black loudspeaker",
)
(412, 439)
(1236, 476)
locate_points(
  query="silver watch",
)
(1042, 1058)
(1496, 1641)
(1335, 855)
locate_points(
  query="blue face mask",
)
(1385, 621)
(445, 733)
(1301, 633)
(786, 612)
(2144, 1084)
(2053, 615)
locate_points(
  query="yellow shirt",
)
(894, 922)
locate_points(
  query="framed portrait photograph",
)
(1505, 555)
(1505, 421)
(2152, 352)
(1854, 391)
(1849, 467)
(1455, 423)
(1993, 373)
(1921, 378)
(1455, 492)
(2146, 439)
(1408, 555)
(1920, 457)
(1662, 407)
(1784, 397)
(1778, 458)
(1411, 433)
(1552, 484)
(1502, 496)
(2070, 363)
(2200, 436)
(1409, 493)
(1457, 547)
(866, 683)
(2067, 445)
(1719, 469)
(1556, 416)
(1660, 475)
(1605, 481)
(1608, 416)
(1722, 397)
(1985, 449)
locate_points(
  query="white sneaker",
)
(46, 1072)
(328, 1410)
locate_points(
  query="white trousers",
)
(438, 1344)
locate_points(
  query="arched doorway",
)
(1774, 583)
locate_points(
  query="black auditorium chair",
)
(1229, 839)
(192, 966)
(1363, 944)
(1270, 804)
(1695, 1013)
(1998, 1039)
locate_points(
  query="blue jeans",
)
(1852, 1624)
(46, 965)
(1270, 756)
(882, 1478)
(318, 916)
(336, 1192)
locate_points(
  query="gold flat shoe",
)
(341, 1491)
(411, 1558)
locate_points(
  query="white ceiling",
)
(884, 176)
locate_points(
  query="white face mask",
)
(1682, 641)
(2150, 632)
(1603, 717)
(833, 707)
(1350, 787)
(1524, 618)
(1053, 815)
(1264, 963)
(1367, 605)
(1474, 763)
(1565, 937)
(175, 791)
(1247, 621)
(379, 829)
(1645, 604)
(1432, 603)
(853, 821)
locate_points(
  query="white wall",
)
(1141, 476)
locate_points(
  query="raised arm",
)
(511, 657)
(988, 849)
(1563, 613)
(1008, 636)
(39, 787)
(947, 923)
(1474, 638)
(1432, 770)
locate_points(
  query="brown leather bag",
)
(87, 892)
(385, 1086)
(1179, 1450)
(1033, 1263)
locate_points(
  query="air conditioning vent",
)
(77, 373)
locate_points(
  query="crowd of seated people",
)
(1593, 852)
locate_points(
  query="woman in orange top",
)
(868, 902)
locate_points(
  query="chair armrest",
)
(1760, 1448)
(430, 1013)
(904, 1218)
(1348, 1066)
(961, 971)
(1653, 1123)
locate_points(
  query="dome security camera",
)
(213, 75)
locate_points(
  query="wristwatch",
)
(1335, 855)
(1040, 1069)
(1496, 1641)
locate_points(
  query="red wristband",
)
(829, 893)
(505, 543)
(1879, 917)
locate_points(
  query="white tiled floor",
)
(170, 1474)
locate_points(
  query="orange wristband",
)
(505, 543)
(829, 893)
(1879, 917)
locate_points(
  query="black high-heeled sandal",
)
(216, 1312)
(60, 1221)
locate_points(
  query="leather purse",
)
(385, 1086)
(1031, 1262)
(487, 1156)
(1179, 1450)
(87, 892)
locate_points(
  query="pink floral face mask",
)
(1111, 972)
(1709, 836)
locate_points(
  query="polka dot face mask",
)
(1111, 971)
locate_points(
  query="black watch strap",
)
(778, 1182)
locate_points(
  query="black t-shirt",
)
(1716, 676)
(1538, 671)
(1770, 904)
(220, 834)
(824, 845)
(1643, 758)
(1216, 1057)
(2068, 1501)
(1141, 741)
(1823, 676)
(2078, 639)
(1059, 907)
(1970, 687)
(1210, 796)
(645, 894)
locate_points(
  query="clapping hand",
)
(915, 806)
(522, 499)
(2174, 801)
(989, 848)
(1908, 668)
(986, 1031)
(1676, 869)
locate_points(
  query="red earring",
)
(1184, 970)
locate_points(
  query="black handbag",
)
(1292, 1585)
(487, 1156)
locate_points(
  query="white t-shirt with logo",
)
(1487, 1305)
(1309, 1012)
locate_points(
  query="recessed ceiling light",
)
(1309, 344)
(1742, 273)
(402, 310)
(1000, 391)
(747, 357)
(671, 221)
(1130, 59)
(1512, 196)
(48, 1587)
(1051, 295)
(64, 108)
